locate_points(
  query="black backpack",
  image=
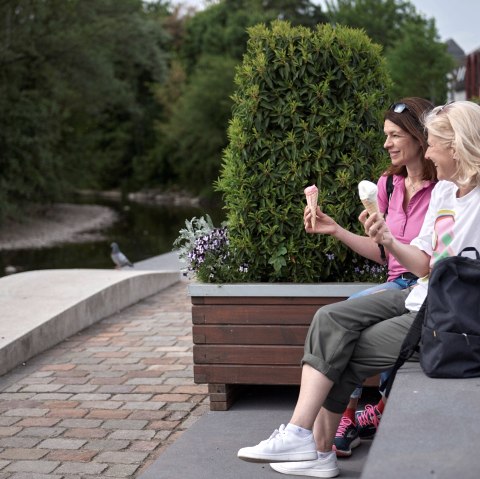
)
(447, 327)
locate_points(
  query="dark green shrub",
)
(307, 109)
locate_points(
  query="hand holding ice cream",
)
(368, 195)
(311, 193)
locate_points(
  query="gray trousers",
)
(353, 340)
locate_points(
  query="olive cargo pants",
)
(353, 340)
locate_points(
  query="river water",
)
(142, 231)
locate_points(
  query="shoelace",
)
(343, 426)
(369, 417)
(277, 432)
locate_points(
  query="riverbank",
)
(55, 224)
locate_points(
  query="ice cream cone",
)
(370, 206)
(368, 196)
(311, 194)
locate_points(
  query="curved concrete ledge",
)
(38, 309)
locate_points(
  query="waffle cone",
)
(370, 206)
(312, 201)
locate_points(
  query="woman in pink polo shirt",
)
(413, 180)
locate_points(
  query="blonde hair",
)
(457, 125)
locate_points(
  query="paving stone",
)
(71, 456)
(55, 404)
(71, 413)
(33, 475)
(131, 397)
(124, 424)
(9, 396)
(106, 445)
(78, 388)
(21, 442)
(148, 406)
(185, 406)
(22, 453)
(38, 466)
(52, 396)
(121, 457)
(146, 381)
(24, 412)
(121, 470)
(86, 433)
(41, 431)
(132, 435)
(82, 468)
(80, 423)
(7, 431)
(108, 414)
(41, 388)
(148, 415)
(145, 446)
(8, 421)
(101, 404)
(91, 397)
(116, 389)
(60, 443)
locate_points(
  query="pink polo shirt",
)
(404, 225)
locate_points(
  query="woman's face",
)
(401, 146)
(442, 157)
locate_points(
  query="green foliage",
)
(195, 135)
(74, 94)
(308, 109)
(417, 61)
(382, 20)
(420, 46)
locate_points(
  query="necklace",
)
(414, 186)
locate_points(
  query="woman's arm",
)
(412, 258)
(324, 224)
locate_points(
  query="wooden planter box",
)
(254, 333)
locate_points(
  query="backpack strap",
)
(389, 188)
(409, 346)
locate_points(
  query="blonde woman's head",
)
(457, 126)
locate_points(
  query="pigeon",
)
(119, 258)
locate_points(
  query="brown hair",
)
(410, 120)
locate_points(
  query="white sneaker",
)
(282, 445)
(326, 467)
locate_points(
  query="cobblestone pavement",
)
(107, 401)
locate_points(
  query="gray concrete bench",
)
(429, 429)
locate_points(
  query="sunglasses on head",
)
(442, 107)
(399, 107)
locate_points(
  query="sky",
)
(454, 19)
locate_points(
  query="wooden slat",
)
(249, 335)
(251, 314)
(244, 374)
(242, 354)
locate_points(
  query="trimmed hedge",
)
(308, 108)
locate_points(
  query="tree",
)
(74, 94)
(382, 20)
(418, 62)
(193, 138)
